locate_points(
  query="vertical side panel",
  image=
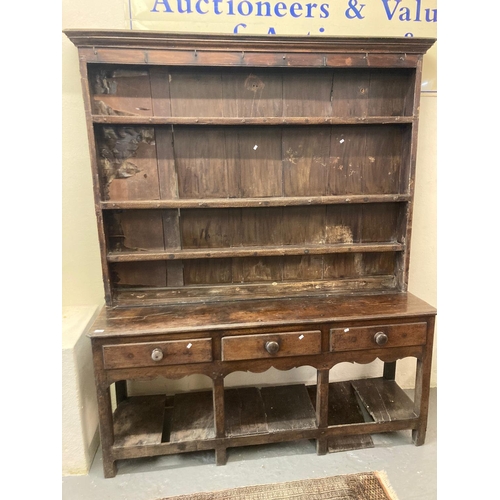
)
(97, 180)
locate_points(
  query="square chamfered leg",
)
(422, 387)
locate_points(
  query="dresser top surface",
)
(204, 317)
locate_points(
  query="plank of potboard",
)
(343, 408)
(384, 399)
(139, 421)
(244, 411)
(192, 417)
(288, 408)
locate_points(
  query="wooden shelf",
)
(268, 251)
(384, 400)
(277, 201)
(292, 120)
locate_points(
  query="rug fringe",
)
(384, 482)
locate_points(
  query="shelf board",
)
(195, 294)
(192, 417)
(343, 408)
(269, 251)
(289, 120)
(383, 399)
(277, 201)
(139, 421)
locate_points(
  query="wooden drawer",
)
(173, 352)
(271, 345)
(374, 337)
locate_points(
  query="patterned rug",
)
(362, 486)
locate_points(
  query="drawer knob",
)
(157, 354)
(272, 347)
(381, 338)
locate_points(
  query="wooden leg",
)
(106, 429)
(322, 409)
(121, 391)
(390, 371)
(219, 419)
(220, 455)
(422, 388)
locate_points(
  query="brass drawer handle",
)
(272, 347)
(381, 338)
(157, 354)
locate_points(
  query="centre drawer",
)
(172, 352)
(271, 345)
(374, 337)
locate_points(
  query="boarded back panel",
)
(304, 225)
(145, 274)
(343, 223)
(379, 222)
(207, 228)
(139, 421)
(257, 159)
(307, 93)
(306, 155)
(192, 417)
(257, 269)
(195, 92)
(135, 230)
(387, 93)
(258, 226)
(122, 92)
(207, 271)
(303, 267)
(347, 151)
(201, 163)
(350, 92)
(383, 152)
(128, 164)
(252, 93)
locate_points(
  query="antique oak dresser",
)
(254, 202)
